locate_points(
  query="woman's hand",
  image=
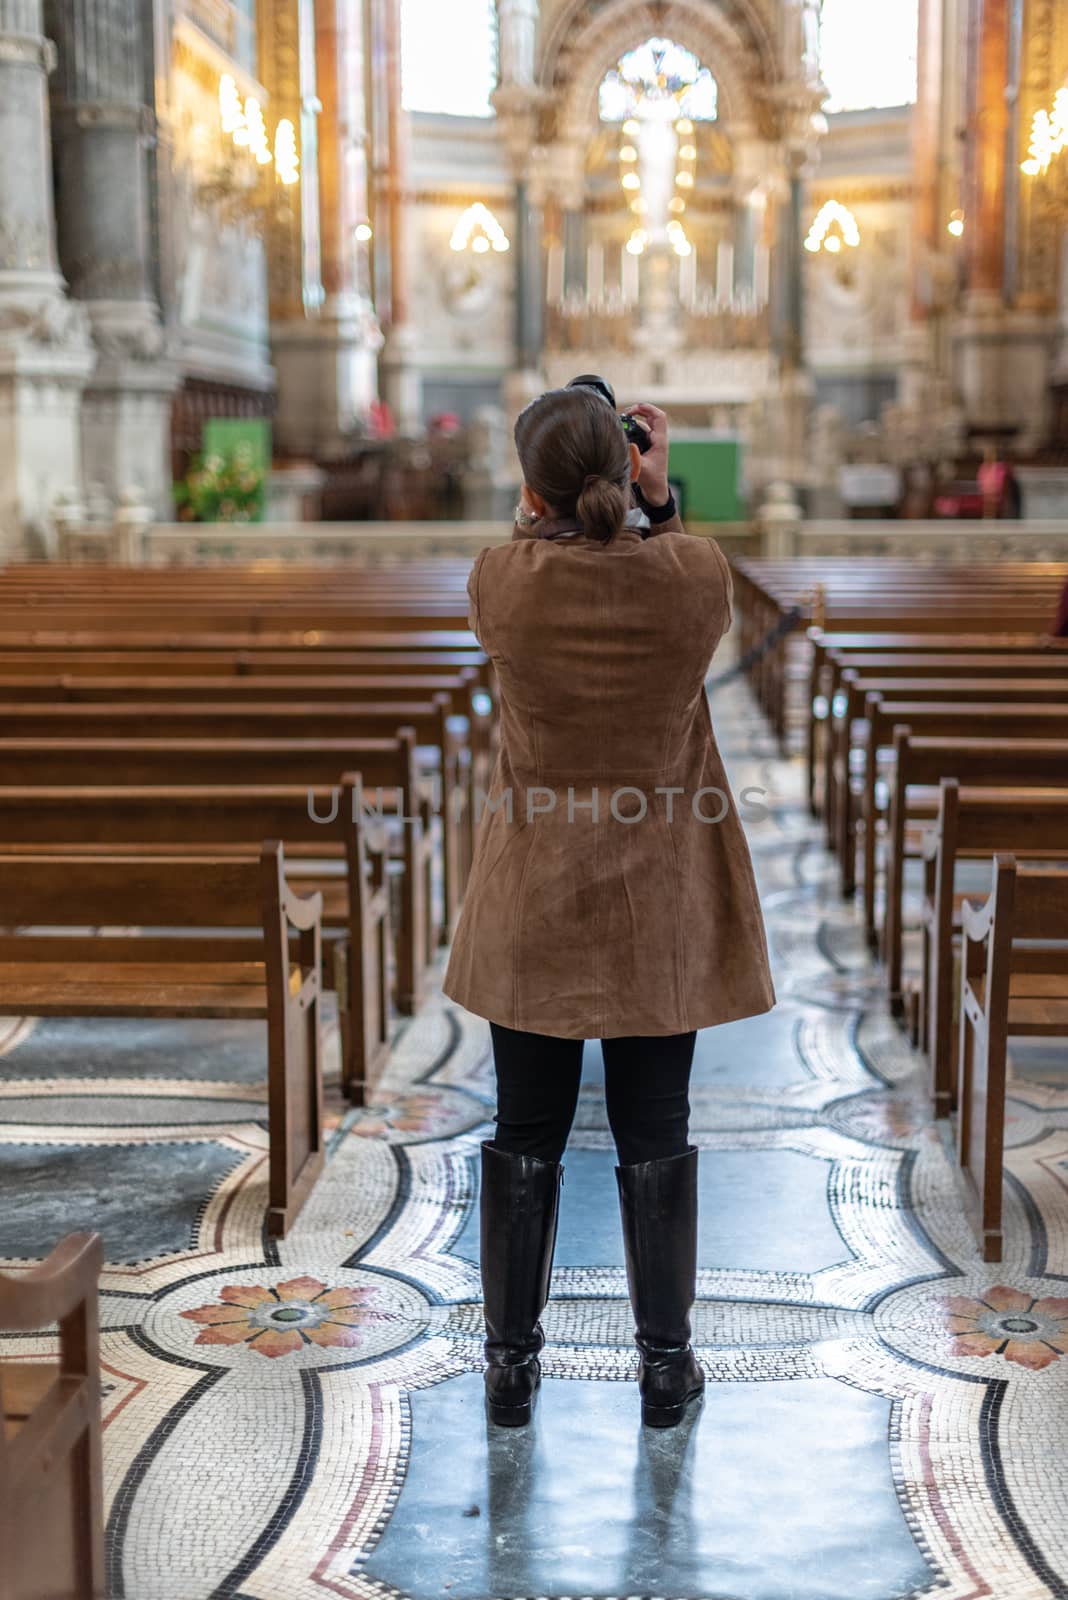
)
(653, 477)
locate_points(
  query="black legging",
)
(646, 1093)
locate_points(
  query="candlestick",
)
(761, 274)
(595, 274)
(724, 273)
(554, 274)
(628, 276)
(688, 278)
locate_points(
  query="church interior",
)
(277, 277)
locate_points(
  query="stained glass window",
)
(656, 73)
(449, 56)
(868, 53)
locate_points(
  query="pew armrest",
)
(977, 920)
(303, 911)
(52, 1291)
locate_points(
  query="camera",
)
(635, 431)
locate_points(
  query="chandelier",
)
(1049, 136)
(249, 178)
(1049, 139)
(478, 230)
(833, 226)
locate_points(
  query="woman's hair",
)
(574, 453)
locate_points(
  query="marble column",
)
(747, 222)
(1002, 350)
(327, 358)
(102, 126)
(989, 127)
(518, 102)
(931, 246)
(45, 354)
(789, 333)
(529, 281)
(398, 373)
(790, 392)
(574, 251)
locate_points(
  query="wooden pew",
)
(248, 975)
(855, 689)
(26, 640)
(51, 1472)
(904, 655)
(448, 762)
(885, 595)
(165, 665)
(938, 719)
(1006, 991)
(849, 677)
(323, 831)
(972, 823)
(392, 785)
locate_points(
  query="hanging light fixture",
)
(1049, 136)
(286, 160)
(234, 188)
(833, 226)
(478, 230)
(955, 225)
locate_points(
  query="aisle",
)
(885, 1417)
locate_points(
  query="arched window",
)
(868, 53)
(659, 75)
(449, 56)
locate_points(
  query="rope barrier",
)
(786, 624)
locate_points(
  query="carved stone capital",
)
(48, 322)
(23, 50)
(519, 108)
(137, 119)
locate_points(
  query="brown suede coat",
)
(644, 919)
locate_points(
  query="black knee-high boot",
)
(658, 1202)
(519, 1204)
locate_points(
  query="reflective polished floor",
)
(885, 1417)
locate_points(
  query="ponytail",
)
(601, 507)
(575, 455)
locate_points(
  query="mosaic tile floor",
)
(885, 1416)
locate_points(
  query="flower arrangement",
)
(221, 488)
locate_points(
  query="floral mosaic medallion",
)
(1023, 1328)
(998, 1332)
(423, 1114)
(882, 1117)
(269, 1319)
(284, 1319)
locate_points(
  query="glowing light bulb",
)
(955, 225)
(684, 125)
(632, 127)
(631, 180)
(257, 131)
(286, 160)
(677, 204)
(363, 231)
(635, 244)
(688, 152)
(628, 153)
(683, 247)
(684, 180)
(231, 116)
(480, 244)
(832, 243)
